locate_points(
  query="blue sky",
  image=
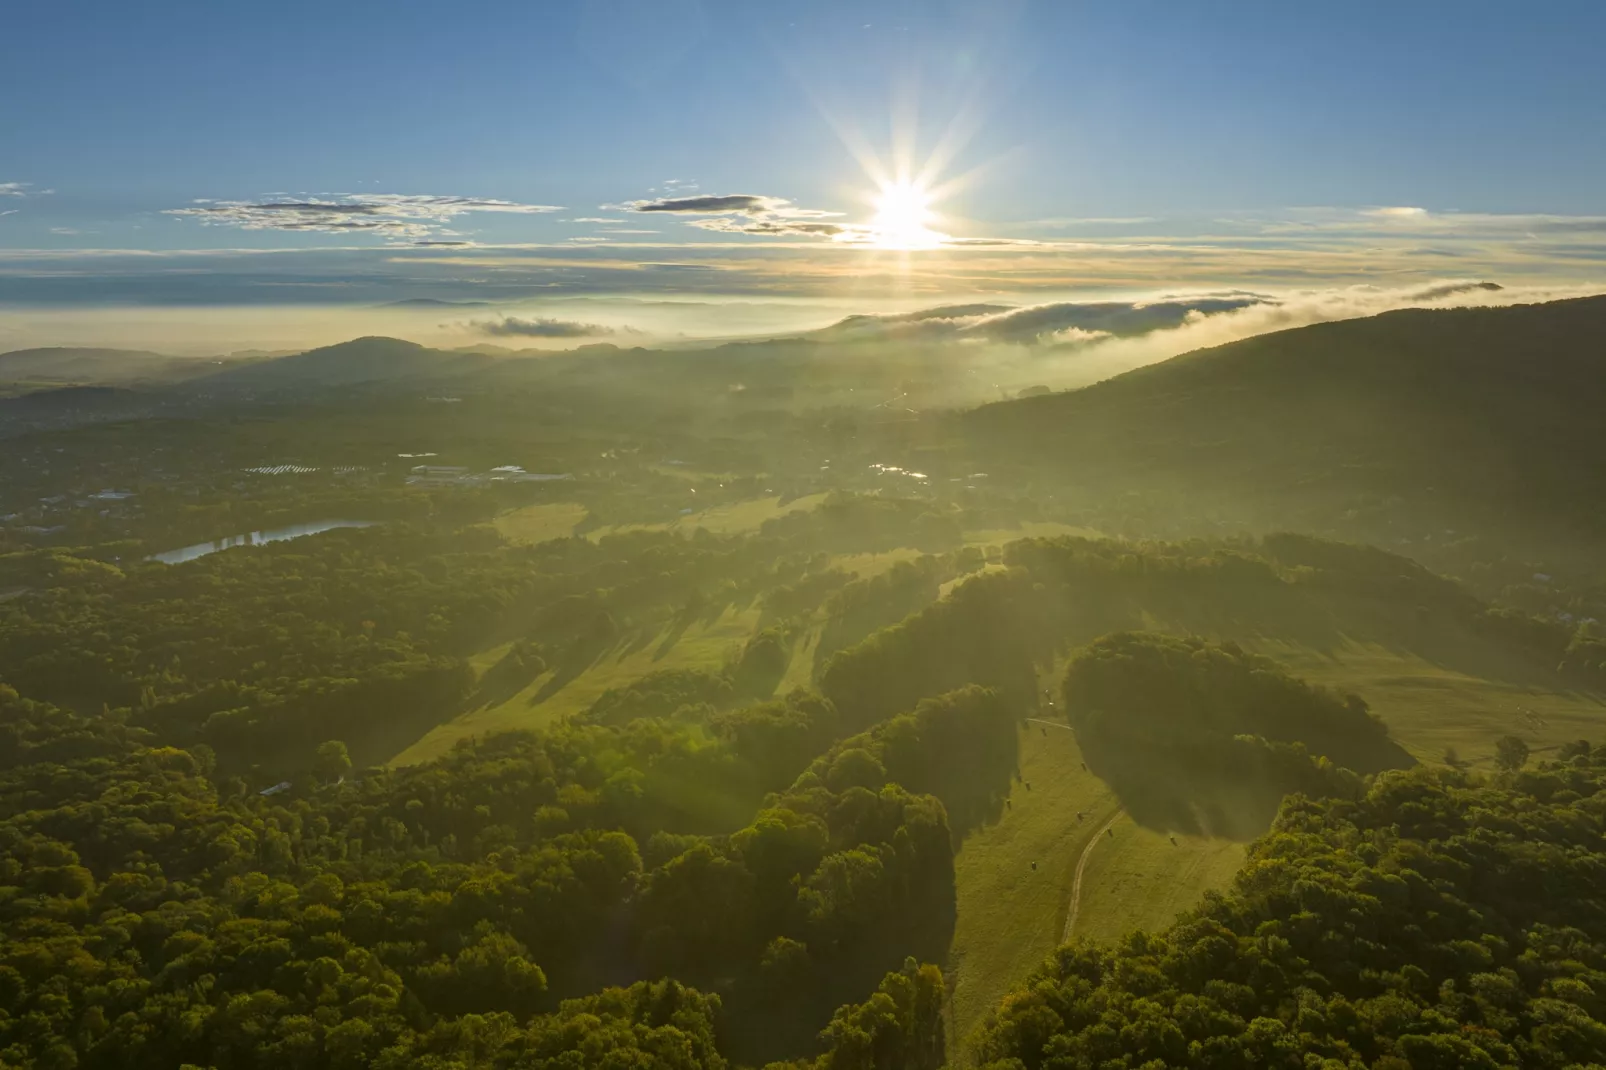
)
(155, 147)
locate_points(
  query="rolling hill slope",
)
(65, 365)
(1402, 424)
(361, 360)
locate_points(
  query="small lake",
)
(255, 538)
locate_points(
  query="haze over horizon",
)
(700, 169)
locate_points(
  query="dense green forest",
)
(778, 854)
(675, 759)
(154, 917)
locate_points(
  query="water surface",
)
(255, 538)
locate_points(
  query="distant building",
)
(462, 479)
(283, 785)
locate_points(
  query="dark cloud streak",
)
(514, 326)
(745, 203)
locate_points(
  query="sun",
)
(903, 217)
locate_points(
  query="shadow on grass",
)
(1225, 787)
(583, 653)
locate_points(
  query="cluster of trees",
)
(859, 523)
(145, 922)
(1578, 650)
(686, 693)
(994, 628)
(1144, 689)
(987, 632)
(1438, 920)
(518, 901)
(154, 912)
(1056, 594)
(363, 635)
(840, 876)
(866, 606)
(1206, 737)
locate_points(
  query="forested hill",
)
(360, 360)
(58, 365)
(1484, 415)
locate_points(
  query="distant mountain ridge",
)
(67, 364)
(371, 359)
(1488, 410)
(433, 302)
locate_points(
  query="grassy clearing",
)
(1010, 916)
(1429, 706)
(1137, 878)
(800, 670)
(731, 519)
(702, 646)
(947, 588)
(538, 523)
(689, 474)
(745, 516)
(867, 565)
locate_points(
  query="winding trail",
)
(1081, 867)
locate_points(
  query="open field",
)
(1136, 878)
(740, 517)
(734, 518)
(558, 520)
(1010, 916)
(1429, 707)
(800, 670)
(702, 646)
(538, 523)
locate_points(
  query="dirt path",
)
(1081, 867)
